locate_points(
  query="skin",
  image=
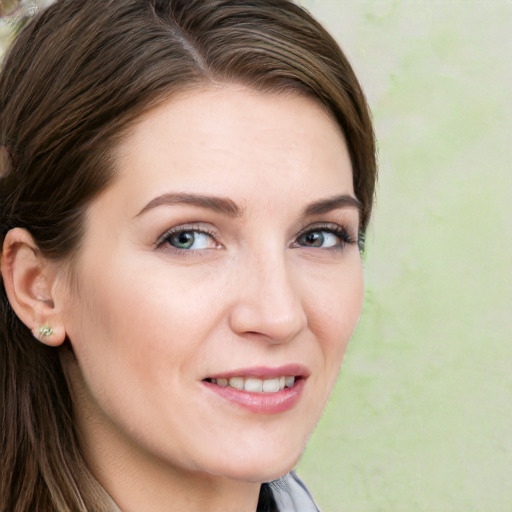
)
(148, 321)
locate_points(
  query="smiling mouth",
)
(255, 385)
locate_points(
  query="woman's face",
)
(224, 256)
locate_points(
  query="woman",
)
(184, 193)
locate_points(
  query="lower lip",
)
(261, 403)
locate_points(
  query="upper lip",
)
(263, 372)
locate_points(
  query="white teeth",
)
(236, 382)
(271, 385)
(255, 385)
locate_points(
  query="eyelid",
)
(194, 226)
(331, 227)
(343, 232)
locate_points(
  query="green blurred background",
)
(421, 418)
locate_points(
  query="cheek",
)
(334, 311)
(134, 318)
(131, 337)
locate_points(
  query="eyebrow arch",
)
(218, 204)
(229, 207)
(333, 203)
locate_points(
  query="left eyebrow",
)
(333, 203)
(222, 205)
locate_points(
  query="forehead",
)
(237, 140)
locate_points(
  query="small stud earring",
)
(45, 331)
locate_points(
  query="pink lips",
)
(261, 402)
(262, 372)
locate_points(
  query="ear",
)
(30, 282)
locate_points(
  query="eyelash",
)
(339, 231)
(193, 228)
(335, 229)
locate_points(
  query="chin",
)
(267, 465)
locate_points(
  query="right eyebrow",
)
(333, 203)
(218, 204)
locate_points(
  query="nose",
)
(268, 301)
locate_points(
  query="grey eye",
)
(190, 240)
(319, 238)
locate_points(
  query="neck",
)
(161, 492)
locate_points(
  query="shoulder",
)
(292, 495)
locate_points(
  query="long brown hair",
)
(76, 78)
